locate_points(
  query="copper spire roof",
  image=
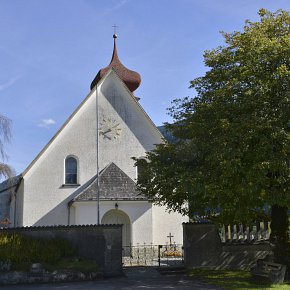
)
(131, 78)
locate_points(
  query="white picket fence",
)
(241, 233)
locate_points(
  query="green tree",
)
(231, 154)
(5, 135)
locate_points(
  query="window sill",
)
(70, 185)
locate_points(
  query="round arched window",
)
(71, 170)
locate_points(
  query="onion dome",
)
(131, 78)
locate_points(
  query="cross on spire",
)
(115, 29)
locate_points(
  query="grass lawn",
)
(235, 280)
(74, 264)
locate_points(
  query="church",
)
(86, 174)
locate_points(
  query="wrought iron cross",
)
(170, 236)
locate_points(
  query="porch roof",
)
(114, 184)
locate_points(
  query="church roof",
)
(114, 184)
(10, 182)
(131, 78)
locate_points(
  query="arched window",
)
(71, 170)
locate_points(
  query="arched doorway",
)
(116, 216)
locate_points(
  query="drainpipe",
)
(68, 218)
(15, 199)
(14, 209)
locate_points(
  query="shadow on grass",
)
(234, 280)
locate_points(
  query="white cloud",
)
(8, 84)
(120, 4)
(117, 6)
(45, 123)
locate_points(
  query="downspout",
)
(14, 218)
(98, 156)
(68, 218)
(69, 211)
(15, 199)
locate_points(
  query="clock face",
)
(110, 128)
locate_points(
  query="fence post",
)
(138, 254)
(144, 254)
(159, 254)
(248, 234)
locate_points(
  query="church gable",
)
(117, 102)
(108, 126)
(113, 184)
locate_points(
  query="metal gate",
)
(153, 255)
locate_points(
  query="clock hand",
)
(109, 130)
(115, 125)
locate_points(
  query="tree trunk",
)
(279, 233)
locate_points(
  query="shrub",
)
(19, 249)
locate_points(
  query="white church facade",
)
(86, 172)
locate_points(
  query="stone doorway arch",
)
(116, 216)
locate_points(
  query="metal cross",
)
(170, 236)
(115, 28)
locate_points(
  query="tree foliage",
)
(5, 135)
(232, 147)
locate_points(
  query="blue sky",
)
(50, 51)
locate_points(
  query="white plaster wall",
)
(11, 204)
(139, 213)
(18, 215)
(12, 211)
(138, 134)
(44, 199)
(165, 223)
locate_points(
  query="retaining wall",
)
(203, 248)
(102, 243)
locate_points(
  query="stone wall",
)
(102, 243)
(243, 256)
(203, 248)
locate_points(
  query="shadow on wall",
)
(59, 215)
(115, 97)
(5, 198)
(138, 211)
(203, 248)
